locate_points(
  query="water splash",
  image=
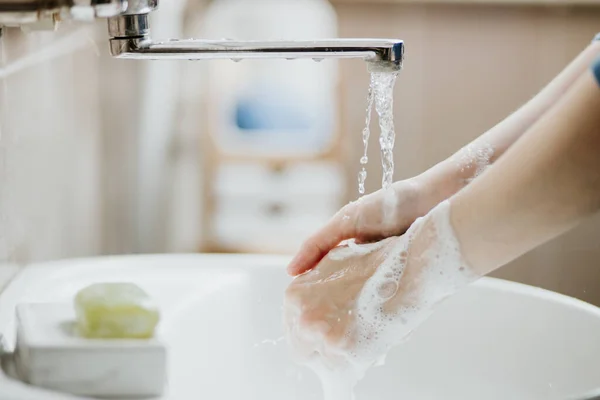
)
(272, 342)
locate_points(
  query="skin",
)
(365, 221)
(544, 185)
(323, 299)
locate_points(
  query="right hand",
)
(374, 217)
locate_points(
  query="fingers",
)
(341, 227)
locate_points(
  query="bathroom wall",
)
(467, 67)
(49, 146)
(84, 140)
(87, 149)
(67, 145)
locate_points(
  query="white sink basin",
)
(222, 322)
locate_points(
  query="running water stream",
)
(381, 93)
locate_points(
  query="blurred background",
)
(101, 156)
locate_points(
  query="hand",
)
(363, 299)
(320, 305)
(377, 216)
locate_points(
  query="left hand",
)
(320, 305)
(321, 310)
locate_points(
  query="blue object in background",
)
(269, 111)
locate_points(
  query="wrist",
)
(436, 185)
(434, 266)
(447, 178)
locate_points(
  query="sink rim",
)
(245, 261)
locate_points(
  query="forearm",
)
(453, 174)
(544, 185)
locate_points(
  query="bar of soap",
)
(115, 311)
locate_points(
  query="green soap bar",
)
(115, 311)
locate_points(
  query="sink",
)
(221, 318)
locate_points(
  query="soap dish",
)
(50, 355)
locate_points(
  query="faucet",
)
(129, 32)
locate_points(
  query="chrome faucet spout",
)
(376, 50)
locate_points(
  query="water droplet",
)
(364, 160)
(236, 60)
(362, 177)
(316, 59)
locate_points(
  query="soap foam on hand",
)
(474, 159)
(388, 306)
(388, 311)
